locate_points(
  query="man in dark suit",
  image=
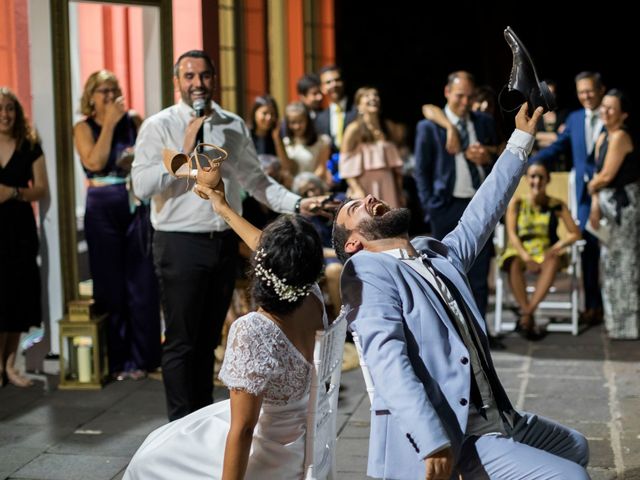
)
(582, 128)
(446, 183)
(334, 119)
(310, 94)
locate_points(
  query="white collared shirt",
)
(591, 133)
(463, 187)
(174, 207)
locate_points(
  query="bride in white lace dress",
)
(260, 432)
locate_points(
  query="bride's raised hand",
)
(215, 195)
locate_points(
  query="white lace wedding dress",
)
(259, 359)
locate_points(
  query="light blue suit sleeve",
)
(489, 203)
(373, 308)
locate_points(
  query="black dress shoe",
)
(523, 81)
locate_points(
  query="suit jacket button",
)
(463, 401)
(464, 360)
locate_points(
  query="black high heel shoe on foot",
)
(530, 331)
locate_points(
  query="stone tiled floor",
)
(587, 382)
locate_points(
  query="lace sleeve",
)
(249, 362)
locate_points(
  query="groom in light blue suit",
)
(439, 409)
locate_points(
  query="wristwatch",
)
(16, 193)
(296, 207)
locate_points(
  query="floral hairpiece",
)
(285, 292)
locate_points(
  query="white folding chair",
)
(565, 295)
(368, 381)
(322, 413)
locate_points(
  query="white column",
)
(43, 119)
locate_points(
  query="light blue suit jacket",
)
(418, 362)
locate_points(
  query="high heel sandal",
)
(181, 166)
(17, 380)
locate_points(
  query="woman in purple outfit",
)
(117, 230)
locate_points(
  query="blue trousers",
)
(539, 449)
(124, 282)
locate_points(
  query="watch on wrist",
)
(296, 207)
(16, 193)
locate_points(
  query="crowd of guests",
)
(156, 246)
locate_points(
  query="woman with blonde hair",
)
(23, 179)
(117, 229)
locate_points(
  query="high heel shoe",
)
(524, 80)
(528, 329)
(181, 166)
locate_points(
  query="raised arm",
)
(95, 154)
(490, 201)
(437, 116)
(245, 230)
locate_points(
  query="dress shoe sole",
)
(545, 98)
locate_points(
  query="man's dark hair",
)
(291, 249)
(330, 68)
(340, 235)
(306, 82)
(194, 54)
(586, 75)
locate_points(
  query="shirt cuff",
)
(520, 141)
(439, 449)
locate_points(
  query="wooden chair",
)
(322, 413)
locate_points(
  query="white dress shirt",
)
(174, 207)
(592, 128)
(463, 187)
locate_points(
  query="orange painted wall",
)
(187, 27)
(327, 33)
(111, 37)
(255, 54)
(14, 50)
(295, 42)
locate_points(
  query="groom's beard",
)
(394, 223)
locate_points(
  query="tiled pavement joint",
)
(615, 426)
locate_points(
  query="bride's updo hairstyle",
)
(286, 264)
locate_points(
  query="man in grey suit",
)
(439, 406)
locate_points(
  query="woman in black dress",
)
(23, 179)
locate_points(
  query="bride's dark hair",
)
(288, 260)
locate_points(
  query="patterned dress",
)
(620, 205)
(260, 360)
(536, 227)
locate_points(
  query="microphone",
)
(198, 106)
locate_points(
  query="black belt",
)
(213, 234)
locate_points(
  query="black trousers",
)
(444, 221)
(591, 271)
(196, 272)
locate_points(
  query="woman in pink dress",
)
(369, 162)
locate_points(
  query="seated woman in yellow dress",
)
(534, 246)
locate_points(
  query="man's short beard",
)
(394, 223)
